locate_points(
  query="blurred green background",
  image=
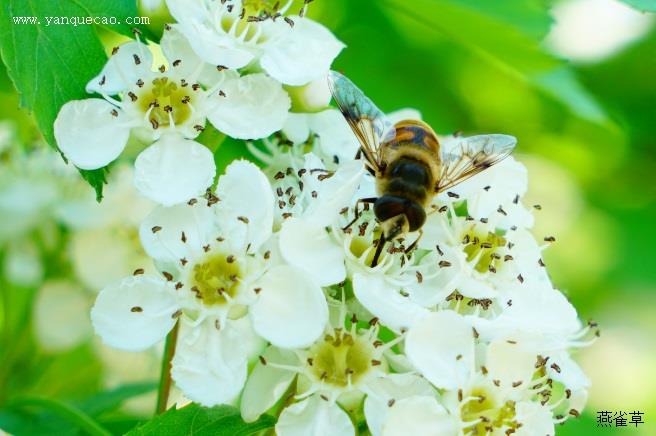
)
(574, 80)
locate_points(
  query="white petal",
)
(61, 317)
(335, 193)
(176, 47)
(161, 232)
(88, 134)
(296, 128)
(335, 136)
(245, 192)
(384, 301)
(122, 69)
(209, 365)
(266, 384)
(510, 362)
(254, 106)
(435, 286)
(441, 347)
(498, 185)
(570, 374)
(419, 415)
(174, 170)
(315, 417)
(535, 419)
(135, 313)
(312, 97)
(291, 311)
(198, 22)
(301, 54)
(392, 387)
(214, 47)
(544, 311)
(306, 245)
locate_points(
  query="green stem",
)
(70, 413)
(165, 377)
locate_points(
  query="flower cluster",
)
(219, 65)
(268, 276)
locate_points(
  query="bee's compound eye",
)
(416, 216)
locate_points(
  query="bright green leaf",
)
(528, 16)
(110, 400)
(563, 85)
(64, 411)
(642, 5)
(202, 421)
(51, 64)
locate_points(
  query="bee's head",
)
(394, 227)
(398, 215)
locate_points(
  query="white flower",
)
(402, 403)
(166, 109)
(485, 258)
(218, 282)
(493, 194)
(332, 376)
(489, 386)
(234, 34)
(546, 323)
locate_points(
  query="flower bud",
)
(312, 97)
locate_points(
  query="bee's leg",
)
(379, 249)
(414, 244)
(358, 155)
(357, 210)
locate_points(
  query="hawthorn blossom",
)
(166, 109)
(217, 281)
(332, 376)
(240, 33)
(493, 385)
(493, 194)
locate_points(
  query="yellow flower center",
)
(482, 406)
(255, 7)
(484, 247)
(166, 98)
(214, 278)
(341, 357)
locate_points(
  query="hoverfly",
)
(407, 161)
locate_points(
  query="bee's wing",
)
(471, 156)
(369, 123)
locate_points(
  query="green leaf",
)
(62, 410)
(496, 35)
(642, 5)
(562, 84)
(97, 179)
(201, 421)
(50, 64)
(110, 400)
(528, 16)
